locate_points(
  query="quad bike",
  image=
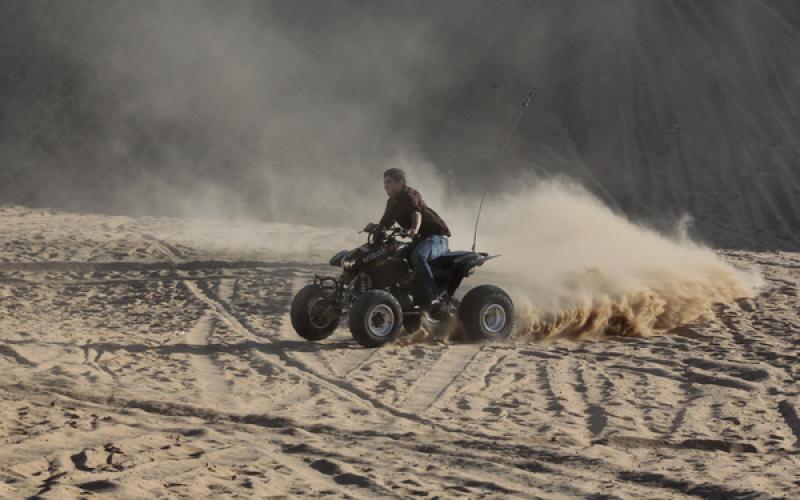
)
(380, 291)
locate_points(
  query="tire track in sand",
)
(448, 368)
(211, 383)
(337, 386)
(296, 367)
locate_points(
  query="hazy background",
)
(290, 111)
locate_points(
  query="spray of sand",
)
(577, 269)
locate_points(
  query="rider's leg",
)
(425, 251)
(420, 259)
(438, 247)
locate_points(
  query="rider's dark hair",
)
(396, 174)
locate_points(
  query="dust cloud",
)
(285, 111)
(577, 269)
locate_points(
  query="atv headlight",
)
(336, 260)
(348, 263)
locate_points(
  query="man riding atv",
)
(424, 226)
(391, 283)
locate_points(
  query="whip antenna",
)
(525, 104)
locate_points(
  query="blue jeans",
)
(426, 250)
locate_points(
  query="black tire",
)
(487, 313)
(301, 313)
(368, 315)
(412, 322)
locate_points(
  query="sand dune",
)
(175, 373)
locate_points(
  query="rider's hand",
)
(412, 233)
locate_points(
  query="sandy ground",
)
(144, 358)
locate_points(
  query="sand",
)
(141, 360)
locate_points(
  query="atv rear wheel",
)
(314, 316)
(375, 318)
(487, 313)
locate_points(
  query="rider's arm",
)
(415, 203)
(388, 216)
(416, 222)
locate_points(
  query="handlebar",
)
(395, 232)
(402, 233)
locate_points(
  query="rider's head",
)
(394, 180)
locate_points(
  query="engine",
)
(390, 272)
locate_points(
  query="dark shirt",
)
(401, 207)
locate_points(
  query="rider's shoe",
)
(430, 306)
(436, 309)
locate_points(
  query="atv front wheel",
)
(487, 313)
(375, 318)
(314, 316)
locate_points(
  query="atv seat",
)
(451, 258)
